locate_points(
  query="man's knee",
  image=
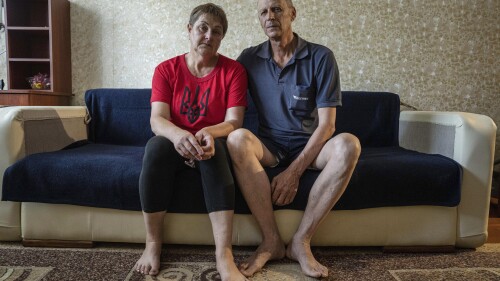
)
(239, 140)
(348, 146)
(241, 145)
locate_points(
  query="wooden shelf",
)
(33, 97)
(38, 40)
(30, 60)
(34, 92)
(28, 28)
(27, 12)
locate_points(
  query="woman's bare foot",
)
(149, 263)
(301, 251)
(227, 268)
(268, 250)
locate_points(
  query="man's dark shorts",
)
(284, 149)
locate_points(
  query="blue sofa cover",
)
(104, 170)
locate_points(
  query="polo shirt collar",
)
(301, 51)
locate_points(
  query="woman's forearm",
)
(222, 129)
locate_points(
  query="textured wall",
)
(437, 55)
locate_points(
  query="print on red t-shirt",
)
(192, 106)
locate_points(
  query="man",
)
(295, 86)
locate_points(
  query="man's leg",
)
(149, 263)
(337, 161)
(249, 155)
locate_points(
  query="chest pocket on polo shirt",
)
(302, 100)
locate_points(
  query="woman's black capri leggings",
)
(162, 163)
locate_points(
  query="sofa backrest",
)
(371, 116)
(121, 116)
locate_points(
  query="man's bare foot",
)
(227, 268)
(268, 250)
(149, 263)
(301, 251)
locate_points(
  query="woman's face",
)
(206, 35)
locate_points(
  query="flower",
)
(39, 81)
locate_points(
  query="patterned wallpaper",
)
(441, 55)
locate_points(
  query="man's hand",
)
(284, 187)
(206, 141)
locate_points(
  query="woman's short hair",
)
(211, 9)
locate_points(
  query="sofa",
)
(70, 174)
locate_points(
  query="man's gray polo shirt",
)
(287, 99)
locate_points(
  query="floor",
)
(494, 225)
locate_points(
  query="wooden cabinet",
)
(37, 41)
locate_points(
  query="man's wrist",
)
(296, 169)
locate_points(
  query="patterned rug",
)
(116, 261)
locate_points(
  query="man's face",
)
(275, 17)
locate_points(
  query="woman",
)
(197, 99)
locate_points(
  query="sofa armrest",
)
(469, 139)
(26, 130)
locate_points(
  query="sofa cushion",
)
(119, 116)
(391, 177)
(97, 175)
(102, 175)
(89, 174)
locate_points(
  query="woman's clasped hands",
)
(195, 147)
